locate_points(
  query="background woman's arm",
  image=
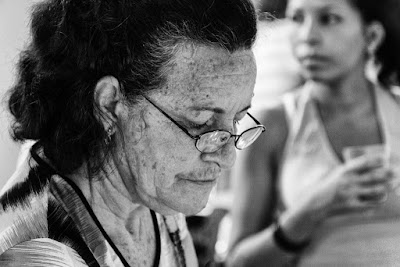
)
(254, 179)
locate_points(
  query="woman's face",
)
(206, 89)
(327, 38)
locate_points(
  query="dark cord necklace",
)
(79, 193)
(98, 224)
(174, 235)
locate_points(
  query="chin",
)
(319, 76)
(192, 208)
(195, 210)
(187, 204)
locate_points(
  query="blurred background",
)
(276, 74)
(13, 35)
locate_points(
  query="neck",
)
(349, 92)
(107, 194)
(126, 221)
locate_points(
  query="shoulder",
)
(41, 252)
(275, 115)
(274, 137)
(395, 92)
(23, 220)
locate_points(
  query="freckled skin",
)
(155, 164)
(162, 176)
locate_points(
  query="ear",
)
(375, 34)
(107, 96)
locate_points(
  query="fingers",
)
(381, 175)
(366, 198)
(366, 189)
(372, 188)
(365, 163)
(376, 194)
(364, 182)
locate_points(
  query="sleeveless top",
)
(47, 224)
(348, 238)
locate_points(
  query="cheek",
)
(164, 160)
(350, 53)
(350, 42)
(293, 32)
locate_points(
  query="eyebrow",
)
(330, 7)
(217, 110)
(321, 8)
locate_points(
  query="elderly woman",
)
(133, 106)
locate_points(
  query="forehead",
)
(206, 58)
(321, 5)
(201, 72)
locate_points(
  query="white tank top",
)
(347, 238)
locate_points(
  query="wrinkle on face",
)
(207, 86)
(200, 79)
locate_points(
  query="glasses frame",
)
(197, 137)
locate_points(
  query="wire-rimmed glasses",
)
(212, 141)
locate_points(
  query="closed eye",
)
(196, 126)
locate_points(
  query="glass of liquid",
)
(378, 150)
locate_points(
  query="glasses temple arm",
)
(171, 119)
(254, 119)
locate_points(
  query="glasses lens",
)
(248, 137)
(212, 141)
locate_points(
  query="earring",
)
(110, 132)
(372, 68)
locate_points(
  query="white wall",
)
(13, 34)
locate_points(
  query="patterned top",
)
(43, 222)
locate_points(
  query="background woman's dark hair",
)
(76, 42)
(388, 13)
(271, 9)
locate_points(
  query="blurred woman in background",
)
(318, 188)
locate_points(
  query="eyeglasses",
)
(212, 141)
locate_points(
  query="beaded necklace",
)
(174, 234)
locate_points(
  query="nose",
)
(308, 32)
(225, 156)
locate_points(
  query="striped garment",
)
(43, 223)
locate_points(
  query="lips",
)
(201, 177)
(312, 58)
(203, 182)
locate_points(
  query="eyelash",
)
(202, 126)
(197, 126)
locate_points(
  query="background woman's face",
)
(327, 37)
(207, 89)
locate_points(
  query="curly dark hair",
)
(388, 13)
(271, 9)
(76, 42)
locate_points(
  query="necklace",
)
(79, 193)
(106, 236)
(174, 235)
